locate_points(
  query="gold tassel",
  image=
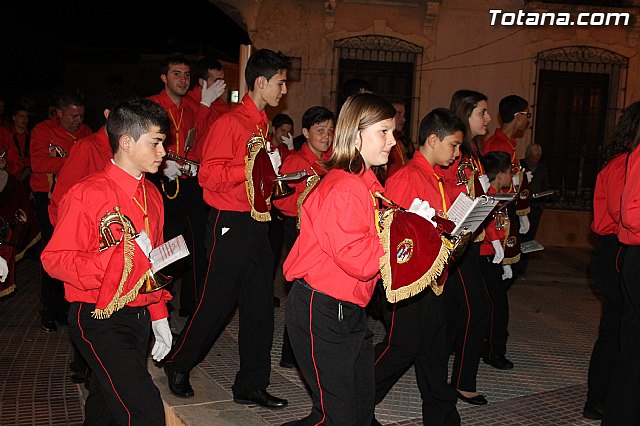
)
(259, 216)
(8, 290)
(312, 181)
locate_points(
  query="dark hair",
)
(265, 63)
(204, 64)
(67, 98)
(134, 118)
(627, 134)
(354, 86)
(463, 102)
(495, 162)
(315, 115)
(172, 59)
(359, 112)
(115, 94)
(15, 108)
(440, 122)
(509, 106)
(280, 120)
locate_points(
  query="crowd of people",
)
(252, 201)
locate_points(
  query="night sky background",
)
(37, 38)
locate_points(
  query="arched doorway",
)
(580, 90)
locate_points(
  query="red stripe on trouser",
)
(466, 330)
(102, 365)
(313, 358)
(393, 319)
(204, 290)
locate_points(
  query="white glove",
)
(524, 224)
(213, 92)
(171, 170)
(529, 175)
(484, 181)
(163, 336)
(276, 161)
(288, 141)
(422, 208)
(144, 242)
(507, 273)
(190, 170)
(4, 269)
(497, 247)
(516, 179)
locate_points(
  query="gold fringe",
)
(511, 260)
(429, 279)
(8, 290)
(118, 302)
(248, 173)
(508, 260)
(311, 183)
(524, 211)
(480, 237)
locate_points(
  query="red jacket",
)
(73, 254)
(222, 170)
(89, 155)
(42, 163)
(607, 196)
(338, 250)
(183, 119)
(500, 142)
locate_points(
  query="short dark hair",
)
(204, 64)
(509, 106)
(265, 63)
(17, 107)
(280, 120)
(495, 162)
(440, 122)
(67, 98)
(115, 94)
(315, 115)
(172, 59)
(134, 118)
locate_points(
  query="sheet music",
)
(530, 246)
(469, 214)
(167, 253)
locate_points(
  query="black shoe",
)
(593, 410)
(288, 364)
(62, 320)
(80, 376)
(499, 362)
(475, 400)
(48, 326)
(260, 397)
(179, 383)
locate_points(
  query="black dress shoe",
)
(288, 363)
(179, 383)
(499, 362)
(260, 397)
(475, 400)
(80, 376)
(62, 319)
(593, 410)
(48, 326)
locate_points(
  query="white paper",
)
(167, 253)
(531, 246)
(469, 214)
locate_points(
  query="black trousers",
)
(333, 346)
(54, 305)
(185, 215)
(417, 336)
(623, 399)
(467, 316)
(121, 390)
(239, 274)
(605, 267)
(498, 326)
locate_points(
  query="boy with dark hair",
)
(110, 318)
(239, 253)
(416, 332)
(497, 166)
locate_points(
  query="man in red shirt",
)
(21, 138)
(208, 92)
(51, 142)
(184, 209)
(110, 318)
(416, 327)
(240, 257)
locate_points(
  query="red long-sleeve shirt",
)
(10, 153)
(222, 170)
(89, 155)
(46, 133)
(338, 250)
(183, 119)
(305, 159)
(500, 142)
(73, 254)
(23, 149)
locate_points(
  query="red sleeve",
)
(41, 161)
(631, 196)
(11, 154)
(222, 168)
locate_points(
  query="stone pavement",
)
(554, 320)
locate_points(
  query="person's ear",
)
(261, 82)
(201, 82)
(163, 77)
(106, 113)
(126, 142)
(432, 139)
(305, 133)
